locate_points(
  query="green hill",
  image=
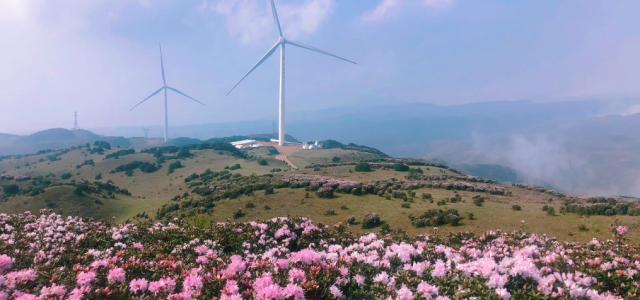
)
(214, 181)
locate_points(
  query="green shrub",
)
(478, 200)
(268, 191)
(583, 227)
(516, 207)
(128, 172)
(98, 201)
(249, 205)
(362, 167)
(267, 207)
(406, 205)
(235, 167)
(263, 162)
(335, 159)
(98, 177)
(330, 212)
(400, 167)
(344, 207)
(351, 220)
(551, 211)
(237, 213)
(11, 189)
(174, 165)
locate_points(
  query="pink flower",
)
(270, 292)
(26, 297)
(622, 230)
(404, 293)
(164, 285)
(116, 275)
(137, 245)
(427, 290)
(86, 278)
(54, 290)
(5, 262)
(138, 285)
(193, 283)
(336, 292)
(294, 291)
(359, 279)
(383, 277)
(202, 249)
(296, 275)
(503, 293)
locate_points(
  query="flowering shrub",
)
(325, 192)
(370, 220)
(47, 256)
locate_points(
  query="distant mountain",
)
(56, 138)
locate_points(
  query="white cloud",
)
(437, 3)
(251, 21)
(389, 8)
(384, 10)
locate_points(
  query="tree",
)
(98, 177)
(263, 162)
(335, 159)
(184, 153)
(362, 167)
(65, 176)
(10, 189)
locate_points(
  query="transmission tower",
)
(75, 115)
(146, 131)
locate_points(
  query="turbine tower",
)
(165, 87)
(280, 44)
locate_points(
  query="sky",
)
(101, 57)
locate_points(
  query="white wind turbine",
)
(165, 87)
(281, 43)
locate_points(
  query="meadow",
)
(217, 224)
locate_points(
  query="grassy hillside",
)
(210, 187)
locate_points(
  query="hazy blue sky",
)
(101, 57)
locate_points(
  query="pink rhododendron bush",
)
(47, 256)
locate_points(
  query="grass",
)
(151, 191)
(323, 156)
(496, 213)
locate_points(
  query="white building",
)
(245, 144)
(311, 146)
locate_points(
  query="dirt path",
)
(284, 152)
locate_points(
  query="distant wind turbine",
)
(281, 43)
(165, 87)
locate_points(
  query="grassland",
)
(149, 191)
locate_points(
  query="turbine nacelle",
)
(282, 40)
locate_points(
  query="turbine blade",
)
(317, 50)
(275, 17)
(257, 64)
(162, 66)
(145, 99)
(183, 94)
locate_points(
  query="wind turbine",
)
(165, 87)
(280, 44)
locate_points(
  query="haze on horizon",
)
(100, 58)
